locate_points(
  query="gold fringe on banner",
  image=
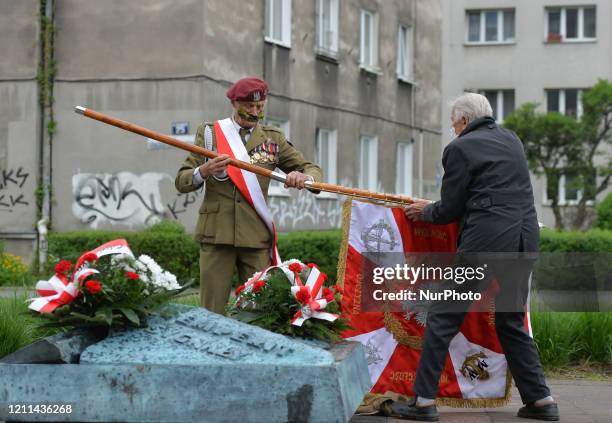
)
(380, 403)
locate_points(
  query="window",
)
(327, 27)
(565, 101)
(502, 102)
(569, 192)
(276, 188)
(490, 26)
(368, 160)
(278, 22)
(404, 53)
(571, 24)
(368, 52)
(325, 153)
(403, 181)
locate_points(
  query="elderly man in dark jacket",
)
(487, 189)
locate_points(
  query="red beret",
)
(248, 89)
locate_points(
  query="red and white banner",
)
(229, 142)
(476, 373)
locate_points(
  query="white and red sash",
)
(230, 143)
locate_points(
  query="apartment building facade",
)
(513, 52)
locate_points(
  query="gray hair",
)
(470, 106)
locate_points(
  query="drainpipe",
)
(41, 226)
(47, 125)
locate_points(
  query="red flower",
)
(63, 266)
(132, 275)
(303, 295)
(90, 257)
(324, 275)
(312, 265)
(93, 286)
(328, 294)
(257, 286)
(339, 289)
(295, 267)
(239, 290)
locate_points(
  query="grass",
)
(17, 327)
(573, 339)
(571, 345)
(190, 300)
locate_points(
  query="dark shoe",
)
(548, 412)
(409, 411)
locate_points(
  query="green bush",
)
(175, 251)
(563, 264)
(604, 213)
(13, 271)
(320, 247)
(595, 240)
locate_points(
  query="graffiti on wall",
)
(12, 196)
(182, 201)
(306, 211)
(120, 198)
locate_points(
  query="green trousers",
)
(217, 265)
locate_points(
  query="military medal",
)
(256, 156)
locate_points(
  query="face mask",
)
(248, 116)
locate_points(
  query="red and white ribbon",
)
(230, 143)
(59, 291)
(54, 293)
(316, 304)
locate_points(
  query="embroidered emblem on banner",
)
(377, 236)
(474, 367)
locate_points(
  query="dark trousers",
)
(519, 348)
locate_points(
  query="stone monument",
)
(194, 366)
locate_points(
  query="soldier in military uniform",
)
(231, 233)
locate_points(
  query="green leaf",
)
(130, 315)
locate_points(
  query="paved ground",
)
(579, 402)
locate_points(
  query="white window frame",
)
(499, 106)
(562, 201)
(276, 189)
(369, 63)
(405, 53)
(369, 181)
(579, 109)
(482, 28)
(404, 168)
(285, 23)
(331, 149)
(563, 24)
(332, 50)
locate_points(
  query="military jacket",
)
(225, 217)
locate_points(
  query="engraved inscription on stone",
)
(196, 336)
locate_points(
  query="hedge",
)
(604, 213)
(177, 251)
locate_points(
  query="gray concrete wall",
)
(529, 66)
(19, 123)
